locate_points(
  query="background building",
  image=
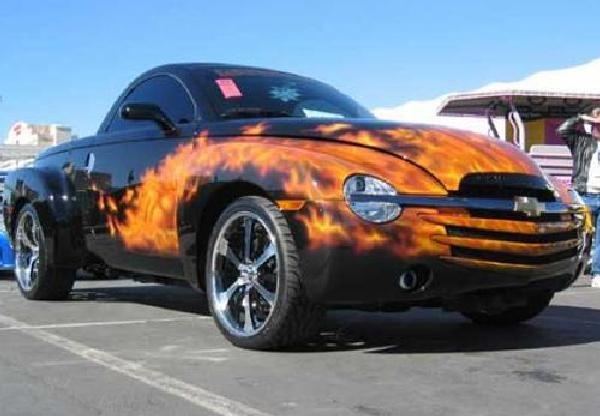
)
(25, 141)
(37, 134)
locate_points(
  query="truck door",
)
(116, 164)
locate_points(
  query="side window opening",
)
(163, 91)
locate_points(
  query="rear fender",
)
(52, 193)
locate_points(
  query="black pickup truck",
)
(278, 196)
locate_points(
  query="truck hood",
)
(448, 154)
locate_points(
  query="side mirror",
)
(143, 111)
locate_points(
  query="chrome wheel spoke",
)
(225, 296)
(24, 274)
(248, 325)
(33, 259)
(264, 293)
(268, 252)
(232, 257)
(247, 238)
(26, 241)
(33, 267)
(225, 250)
(35, 234)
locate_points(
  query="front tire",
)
(253, 282)
(535, 304)
(35, 278)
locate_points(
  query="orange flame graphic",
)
(314, 171)
(149, 213)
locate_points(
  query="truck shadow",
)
(432, 331)
(419, 331)
(176, 298)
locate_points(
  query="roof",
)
(530, 104)
(205, 66)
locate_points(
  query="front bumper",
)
(341, 277)
(462, 245)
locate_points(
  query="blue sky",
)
(66, 61)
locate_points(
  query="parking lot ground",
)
(124, 348)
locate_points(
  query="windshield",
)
(246, 93)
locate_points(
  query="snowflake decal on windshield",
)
(285, 94)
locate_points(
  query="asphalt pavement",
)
(125, 348)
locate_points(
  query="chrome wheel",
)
(27, 250)
(244, 272)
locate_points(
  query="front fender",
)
(298, 175)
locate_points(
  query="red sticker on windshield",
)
(228, 88)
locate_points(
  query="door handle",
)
(90, 160)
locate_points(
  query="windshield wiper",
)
(253, 112)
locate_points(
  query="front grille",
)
(509, 238)
(504, 185)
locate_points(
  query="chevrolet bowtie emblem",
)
(528, 206)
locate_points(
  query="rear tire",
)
(536, 303)
(35, 278)
(253, 278)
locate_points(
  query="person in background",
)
(582, 134)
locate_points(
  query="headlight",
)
(371, 211)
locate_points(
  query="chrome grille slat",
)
(502, 257)
(511, 237)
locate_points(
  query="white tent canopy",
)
(577, 80)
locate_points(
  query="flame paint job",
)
(313, 171)
(415, 161)
(447, 153)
